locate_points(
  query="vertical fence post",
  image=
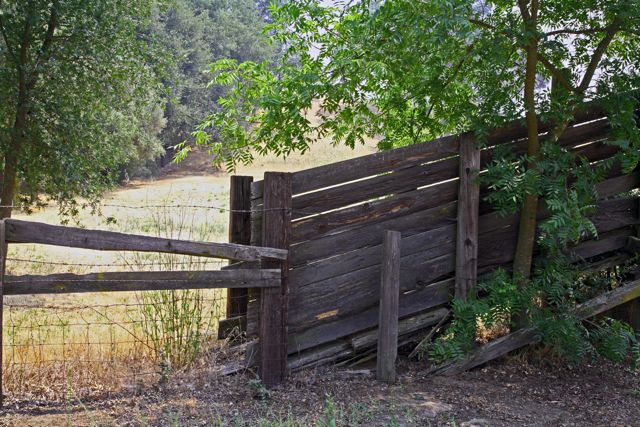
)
(389, 300)
(3, 264)
(276, 233)
(468, 204)
(239, 232)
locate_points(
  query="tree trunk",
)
(527, 228)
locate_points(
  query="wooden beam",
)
(527, 336)
(35, 232)
(389, 299)
(468, 211)
(276, 232)
(239, 232)
(139, 281)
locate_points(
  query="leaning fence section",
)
(340, 211)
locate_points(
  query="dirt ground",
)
(505, 393)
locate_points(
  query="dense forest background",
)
(194, 33)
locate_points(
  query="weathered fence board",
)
(139, 281)
(358, 235)
(389, 313)
(34, 232)
(340, 326)
(340, 211)
(274, 302)
(421, 174)
(392, 207)
(432, 243)
(239, 232)
(324, 302)
(468, 211)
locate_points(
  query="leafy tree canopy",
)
(79, 83)
(196, 33)
(413, 70)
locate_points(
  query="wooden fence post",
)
(389, 301)
(468, 205)
(3, 264)
(239, 232)
(276, 233)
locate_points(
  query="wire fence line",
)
(153, 206)
(199, 261)
(50, 349)
(55, 346)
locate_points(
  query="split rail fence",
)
(331, 219)
(17, 232)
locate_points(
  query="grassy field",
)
(103, 341)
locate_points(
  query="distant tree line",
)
(96, 90)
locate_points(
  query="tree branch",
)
(555, 71)
(45, 50)
(6, 40)
(570, 31)
(615, 26)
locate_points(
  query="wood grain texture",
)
(35, 232)
(276, 232)
(339, 326)
(253, 303)
(362, 341)
(240, 233)
(440, 148)
(584, 140)
(468, 211)
(389, 299)
(320, 311)
(358, 235)
(139, 281)
(377, 211)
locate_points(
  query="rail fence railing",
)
(13, 232)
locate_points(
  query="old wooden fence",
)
(16, 231)
(332, 218)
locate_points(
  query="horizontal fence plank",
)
(139, 281)
(402, 203)
(340, 326)
(360, 167)
(46, 234)
(431, 243)
(315, 302)
(377, 186)
(358, 236)
(372, 164)
(339, 322)
(420, 174)
(353, 169)
(377, 211)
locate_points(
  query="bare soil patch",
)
(506, 393)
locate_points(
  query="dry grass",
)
(82, 344)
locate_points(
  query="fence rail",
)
(18, 232)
